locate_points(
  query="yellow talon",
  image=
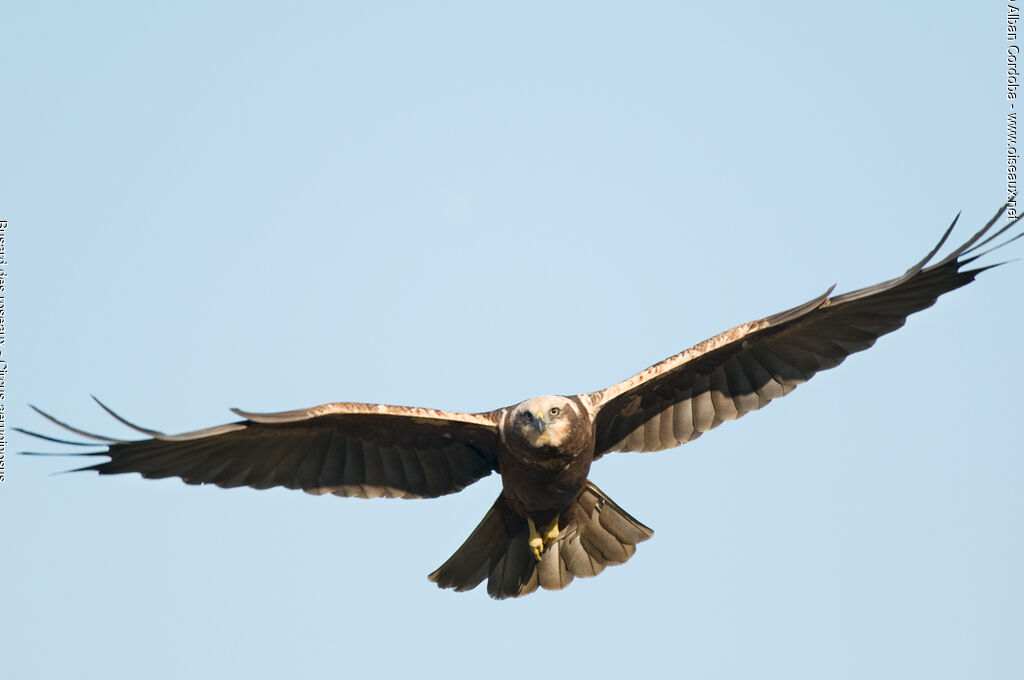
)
(551, 532)
(542, 540)
(536, 542)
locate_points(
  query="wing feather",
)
(346, 449)
(745, 368)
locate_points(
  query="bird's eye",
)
(526, 415)
(554, 410)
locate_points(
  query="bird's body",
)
(543, 472)
(550, 523)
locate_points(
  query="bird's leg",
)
(536, 541)
(542, 540)
(551, 532)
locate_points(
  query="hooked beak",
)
(539, 422)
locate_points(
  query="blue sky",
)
(458, 206)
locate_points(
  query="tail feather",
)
(471, 563)
(595, 533)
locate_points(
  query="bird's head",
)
(545, 421)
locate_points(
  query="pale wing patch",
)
(595, 400)
(422, 415)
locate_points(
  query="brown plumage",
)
(549, 524)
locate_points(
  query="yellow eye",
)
(554, 410)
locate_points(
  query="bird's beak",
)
(539, 422)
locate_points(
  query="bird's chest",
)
(541, 480)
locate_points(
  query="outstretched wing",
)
(364, 450)
(743, 369)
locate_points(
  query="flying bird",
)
(550, 523)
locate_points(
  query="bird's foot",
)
(542, 540)
(536, 541)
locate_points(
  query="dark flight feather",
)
(745, 368)
(344, 449)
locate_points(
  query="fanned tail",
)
(595, 533)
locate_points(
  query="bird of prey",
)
(550, 523)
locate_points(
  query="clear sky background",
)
(462, 206)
